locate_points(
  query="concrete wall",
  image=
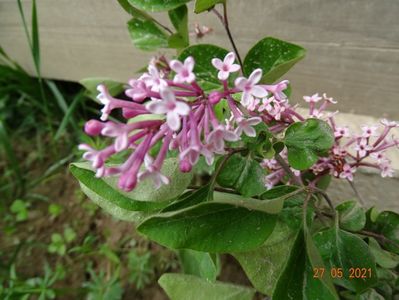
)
(353, 53)
(353, 45)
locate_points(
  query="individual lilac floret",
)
(347, 172)
(362, 147)
(169, 106)
(138, 90)
(246, 126)
(153, 79)
(110, 103)
(226, 66)
(277, 90)
(184, 71)
(220, 134)
(249, 87)
(341, 132)
(151, 172)
(369, 131)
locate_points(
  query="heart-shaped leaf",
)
(306, 141)
(183, 287)
(274, 57)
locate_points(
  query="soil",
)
(86, 219)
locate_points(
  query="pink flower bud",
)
(215, 97)
(129, 113)
(93, 127)
(127, 181)
(185, 166)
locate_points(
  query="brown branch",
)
(225, 22)
(378, 236)
(326, 197)
(288, 170)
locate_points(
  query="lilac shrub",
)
(208, 156)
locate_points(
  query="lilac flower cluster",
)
(182, 116)
(350, 151)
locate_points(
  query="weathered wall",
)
(353, 53)
(353, 45)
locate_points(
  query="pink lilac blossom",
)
(178, 114)
(226, 66)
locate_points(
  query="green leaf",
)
(205, 72)
(351, 216)
(61, 250)
(134, 12)
(176, 41)
(383, 258)
(68, 117)
(54, 209)
(296, 281)
(260, 144)
(122, 205)
(306, 141)
(157, 5)
(244, 174)
(293, 202)
(273, 206)
(146, 35)
(211, 227)
(90, 84)
(198, 263)
(69, 234)
(341, 249)
(183, 287)
(13, 164)
(109, 254)
(204, 5)
(145, 191)
(56, 238)
(189, 199)
(387, 224)
(179, 19)
(265, 264)
(274, 57)
(19, 208)
(108, 192)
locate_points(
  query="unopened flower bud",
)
(215, 97)
(185, 166)
(93, 127)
